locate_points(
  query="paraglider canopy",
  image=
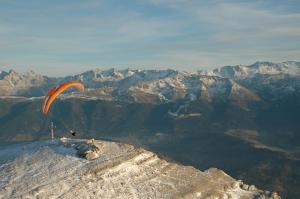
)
(56, 90)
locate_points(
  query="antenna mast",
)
(52, 131)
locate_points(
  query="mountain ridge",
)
(161, 86)
(110, 170)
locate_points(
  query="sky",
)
(56, 37)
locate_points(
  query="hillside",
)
(55, 169)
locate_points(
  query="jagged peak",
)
(3, 74)
(13, 72)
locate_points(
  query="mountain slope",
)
(53, 169)
(271, 81)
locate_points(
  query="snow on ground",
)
(47, 169)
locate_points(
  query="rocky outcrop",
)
(89, 150)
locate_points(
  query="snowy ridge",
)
(161, 86)
(256, 69)
(53, 169)
(13, 83)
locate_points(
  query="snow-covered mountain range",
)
(243, 116)
(159, 86)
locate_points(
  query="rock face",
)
(108, 170)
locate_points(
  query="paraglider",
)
(73, 133)
(56, 90)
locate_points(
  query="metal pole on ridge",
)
(52, 131)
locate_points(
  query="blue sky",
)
(57, 37)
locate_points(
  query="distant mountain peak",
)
(256, 69)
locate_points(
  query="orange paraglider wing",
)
(55, 91)
(46, 98)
